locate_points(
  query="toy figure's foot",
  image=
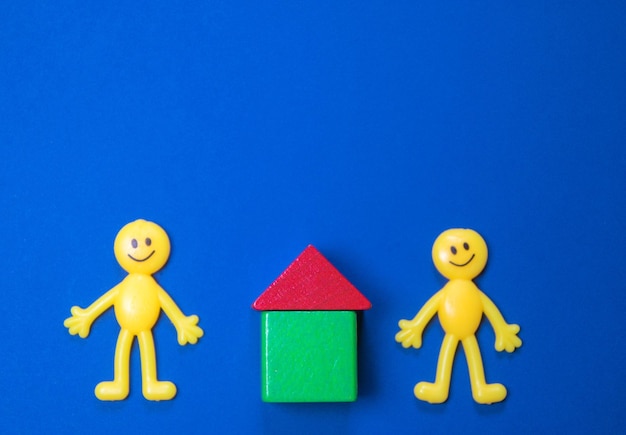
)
(112, 390)
(431, 393)
(489, 393)
(159, 390)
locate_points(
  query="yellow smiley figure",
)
(141, 248)
(459, 255)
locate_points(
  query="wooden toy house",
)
(308, 333)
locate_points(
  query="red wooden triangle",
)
(311, 283)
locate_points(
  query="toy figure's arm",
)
(186, 326)
(506, 334)
(410, 333)
(82, 318)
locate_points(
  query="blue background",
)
(366, 128)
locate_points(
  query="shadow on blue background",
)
(250, 131)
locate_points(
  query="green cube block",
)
(309, 356)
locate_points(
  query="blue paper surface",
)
(250, 130)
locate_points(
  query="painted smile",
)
(452, 263)
(139, 260)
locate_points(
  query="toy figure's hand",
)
(409, 335)
(507, 339)
(188, 330)
(79, 323)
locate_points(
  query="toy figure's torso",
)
(461, 309)
(137, 305)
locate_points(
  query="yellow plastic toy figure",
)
(141, 248)
(459, 255)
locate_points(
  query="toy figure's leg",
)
(482, 392)
(117, 389)
(437, 392)
(153, 389)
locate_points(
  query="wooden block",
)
(309, 356)
(311, 282)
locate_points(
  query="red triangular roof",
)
(311, 283)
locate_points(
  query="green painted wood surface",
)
(309, 356)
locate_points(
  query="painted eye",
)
(149, 242)
(453, 250)
(466, 246)
(133, 243)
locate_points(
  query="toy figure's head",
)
(460, 253)
(142, 247)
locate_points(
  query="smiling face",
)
(142, 247)
(460, 253)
